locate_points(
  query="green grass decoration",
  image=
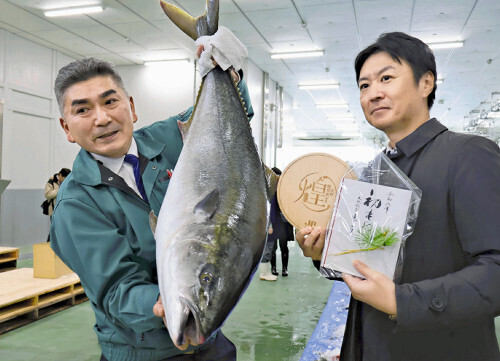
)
(369, 240)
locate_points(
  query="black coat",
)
(449, 291)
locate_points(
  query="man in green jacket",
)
(100, 225)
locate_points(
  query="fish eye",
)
(206, 278)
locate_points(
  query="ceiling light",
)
(350, 134)
(165, 61)
(439, 81)
(332, 105)
(73, 11)
(446, 45)
(493, 115)
(318, 86)
(298, 54)
(346, 130)
(347, 116)
(343, 124)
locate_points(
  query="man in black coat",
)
(444, 304)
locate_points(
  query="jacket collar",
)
(419, 138)
(86, 169)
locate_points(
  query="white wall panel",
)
(31, 104)
(2, 55)
(60, 60)
(159, 90)
(282, 154)
(26, 150)
(28, 66)
(63, 152)
(270, 123)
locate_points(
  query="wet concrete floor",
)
(272, 322)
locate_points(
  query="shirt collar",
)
(420, 137)
(115, 164)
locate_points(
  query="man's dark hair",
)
(401, 46)
(82, 70)
(64, 172)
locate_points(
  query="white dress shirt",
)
(120, 167)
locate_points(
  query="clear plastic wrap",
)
(372, 218)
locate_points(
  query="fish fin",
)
(184, 127)
(271, 182)
(182, 19)
(208, 205)
(152, 221)
(205, 24)
(242, 101)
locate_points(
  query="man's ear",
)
(66, 130)
(427, 83)
(132, 109)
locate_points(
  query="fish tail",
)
(212, 16)
(206, 24)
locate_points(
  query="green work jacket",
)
(100, 229)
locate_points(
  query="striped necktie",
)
(134, 161)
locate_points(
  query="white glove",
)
(225, 48)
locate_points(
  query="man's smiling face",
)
(99, 116)
(390, 98)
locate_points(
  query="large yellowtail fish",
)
(211, 229)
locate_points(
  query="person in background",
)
(280, 231)
(266, 273)
(52, 187)
(100, 226)
(265, 262)
(442, 307)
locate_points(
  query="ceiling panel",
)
(23, 20)
(261, 5)
(148, 10)
(240, 26)
(438, 17)
(486, 13)
(72, 42)
(131, 31)
(145, 35)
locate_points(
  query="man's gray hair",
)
(82, 70)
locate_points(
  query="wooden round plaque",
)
(307, 188)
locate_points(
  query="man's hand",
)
(377, 290)
(312, 241)
(234, 74)
(159, 311)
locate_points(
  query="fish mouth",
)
(189, 326)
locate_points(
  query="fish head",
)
(203, 281)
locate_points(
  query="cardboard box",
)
(46, 264)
